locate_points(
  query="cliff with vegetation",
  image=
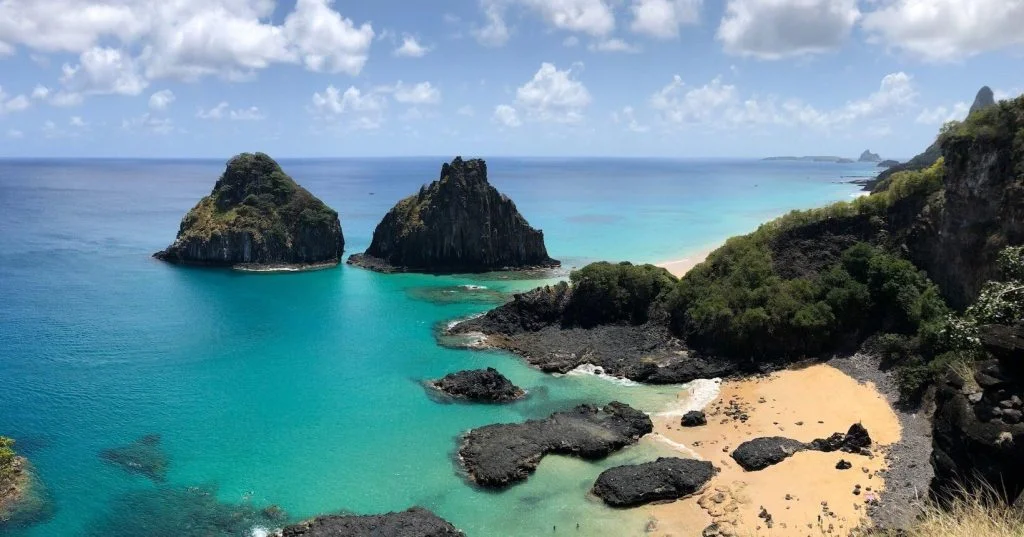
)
(459, 223)
(258, 216)
(23, 501)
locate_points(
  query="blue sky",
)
(323, 78)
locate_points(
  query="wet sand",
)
(805, 494)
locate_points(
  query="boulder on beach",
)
(694, 418)
(760, 453)
(457, 224)
(257, 217)
(479, 385)
(415, 522)
(500, 455)
(668, 478)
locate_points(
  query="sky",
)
(631, 78)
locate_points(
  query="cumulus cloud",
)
(103, 71)
(507, 116)
(662, 19)
(494, 33)
(943, 30)
(224, 111)
(773, 29)
(553, 95)
(411, 48)
(13, 104)
(358, 109)
(942, 114)
(613, 45)
(678, 104)
(189, 39)
(592, 17)
(422, 93)
(161, 100)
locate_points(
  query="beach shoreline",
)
(679, 267)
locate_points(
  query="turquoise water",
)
(303, 390)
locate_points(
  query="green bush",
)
(6, 453)
(609, 293)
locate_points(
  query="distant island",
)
(837, 160)
(258, 218)
(868, 156)
(457, 224)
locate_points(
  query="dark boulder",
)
(664, 479)
(459, 223)
(481, 385)
(500, 455)
(856, 440)
(415, 522)
(694, 418)
(760, 453)
(843, 465)
(144, 457)
(257, 217)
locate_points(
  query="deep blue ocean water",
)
(303, 390)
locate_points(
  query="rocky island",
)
(23, 501)
(868, 156)
(415, 522)
(498, 456)
(479, 385)
(258, 218)
(457, 224)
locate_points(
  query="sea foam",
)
(591, 369)
(699, 394)
(682, 448)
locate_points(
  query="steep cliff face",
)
(257, 215)
(982, 207)
(459, 223)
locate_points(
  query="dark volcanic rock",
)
(843, 465)
(144, 457)
(856, 440)
(459, 223)
(694, 418)
(500, 455)
(484, 385)
(256, 217)
(868, 156)
(760, 453)
(415, 522)
(984, 99)
(664, 479)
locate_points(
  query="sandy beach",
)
(679, 267)
(805, 494)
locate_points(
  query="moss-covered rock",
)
(257, 216)
(459, 223)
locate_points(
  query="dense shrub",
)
(609, 293)
(1002, 301)
(6, 454)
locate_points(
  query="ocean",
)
(304, 391)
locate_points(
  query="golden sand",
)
(679, 267)
(805, 495)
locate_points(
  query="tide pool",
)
(304, 390)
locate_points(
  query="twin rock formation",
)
(257, 217)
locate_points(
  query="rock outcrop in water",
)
(415, 522)
(479, 385)
(500, 455)
(23, 499)
(668, 478)
(257, 217)
(457, 224)
(868, 156)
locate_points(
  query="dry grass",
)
(971, 517)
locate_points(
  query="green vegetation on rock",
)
(7, 456)
(607, 293)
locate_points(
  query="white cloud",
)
(223, 111)
(941, 114)
(13, 104)
(411, 48)
(422, 93)
(773, 29)
(679, 105)
(495, 32)
(161, 99)
(662, 18)
(325, 40)
(613, 45)
(103, 71)
(507, 116)
(466, 110)
(593, 17)
(77, 121)
(189, 39)
(942, 30)
(66, 98)
(627, 116)
(40, 92)
(553, 95)
(148, 122)
(15, 134)
(360, 110)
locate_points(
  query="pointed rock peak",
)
(868, 156)
(983, 100)
(464, 172)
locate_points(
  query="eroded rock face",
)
(497, 456)
(415, 522)
(481, 385)
(257, 216)
(459, 223)
(664, 479)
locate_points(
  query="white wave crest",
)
(456, 322)
(682, 448)
(260, 531)
(699, 394)
(591, 369)
(471, 287)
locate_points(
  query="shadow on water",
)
(144, 457)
